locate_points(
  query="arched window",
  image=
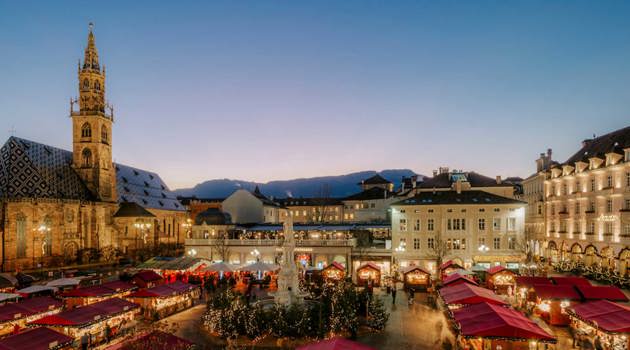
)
(20, 224)
(104, 134)
(86, 130)
(47, 239)
(86, 156)
(86, 84)
(97, 85)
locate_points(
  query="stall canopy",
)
(220, 267)
(40, 338)
(571, 281)
(103, 290)
(87, 315)
(494, 321)
(456, 278)
(335, 344)
(165, 290)
(151, 340)
(601, 292)
(530, 281)
(36, 289)
(259, 266)
(146, 277)
(8, 297)
(466, 294)
(183, 264)
(450, 264)
(495, 269)
(554, 292)
(604, 314)
(28, 307)
(64, 282)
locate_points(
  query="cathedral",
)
(62, 207)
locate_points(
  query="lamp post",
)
(402, 247)
(42, 230)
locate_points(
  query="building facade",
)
(468, 226)
(59, 207)
(587, 204)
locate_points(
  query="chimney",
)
(458, 186)
(549, 153)
(498, 179)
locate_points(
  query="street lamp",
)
(42, 229)
(483, 248)
(141, 228)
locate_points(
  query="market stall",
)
(153, 339)
(570, 280)
(166, 299)
(500, 280)
(37, 290)
(455, 279)
(602, 321)
(551, 302)
(96, 323)
(369, 272)
(333, 272)
(486, 326)
(464, 294)
(416, 278)
(449, 267)
(90, 295)
(147, 279)
(524, 287)
(611, 293)
(40, 338)
(14, 316)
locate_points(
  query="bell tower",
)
(92, 127)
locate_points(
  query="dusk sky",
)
(270, 90)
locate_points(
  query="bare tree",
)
(321, 203)
(221, 247)
(439, 250)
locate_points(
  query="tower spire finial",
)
(91, 26)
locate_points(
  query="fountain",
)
(288, 284)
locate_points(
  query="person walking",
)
(394, 294)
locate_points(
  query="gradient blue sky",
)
(263, 90)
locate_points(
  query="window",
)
(449, 244)
(456, 244)
(608, 228)
(564, 189)
(591, 206)
(416, 225)
(430, 225)
(416, 243)
(403, 224)
(511, 243)
(430, 210)
(86, 130)
(431, 243)
(104, 135)
(609, 181)
(21, 235)
(496, 224)
(496, 243)
(482, 224)
(97, 85)
(86, 84)
(628, 179)
(592, 227)
(627, 207)
(577, 186)
(539, 209)
(47, 239)
(482, 210)
(511, 224)
(627, 230)
(449, 224)
(592, 185)
(609, 205)
(496, 210)
(577, 207)
(463, 243)
(481, 241)
(86, 157)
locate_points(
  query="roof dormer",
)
(595, 162)
(567, 170)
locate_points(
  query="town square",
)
(315, 175)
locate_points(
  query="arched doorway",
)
(608, 258)
(576, 252)
(590, 254)
(564, 251)
(70, 251)
(552, 251)
(624, 261)
(340, 259)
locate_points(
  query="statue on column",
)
(288, 284)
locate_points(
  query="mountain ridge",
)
(319, 186)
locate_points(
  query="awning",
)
(335, 344)
(450, 264)
(87, 314)
(220, 267)
(28, 307)
(456, 278)
(603, 314)
(165, 290)
(36, 289)
(64, 282)
(40, 338)
(494, 321)
(571, 280)
(466, 294)
(611, 293)
(530, 281)
(554, 292)
(151, 340)
(9, 296)
(259, 266)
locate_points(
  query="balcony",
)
(272, 242)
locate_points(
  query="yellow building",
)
(61, 207)
(587, 204)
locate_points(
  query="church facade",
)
(62, 207)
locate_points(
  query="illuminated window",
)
(511, 224)
(86, 157)
(609, 205)
(511, 243)
(497, 243)
(496, 224)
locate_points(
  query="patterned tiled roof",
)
(33, 170)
